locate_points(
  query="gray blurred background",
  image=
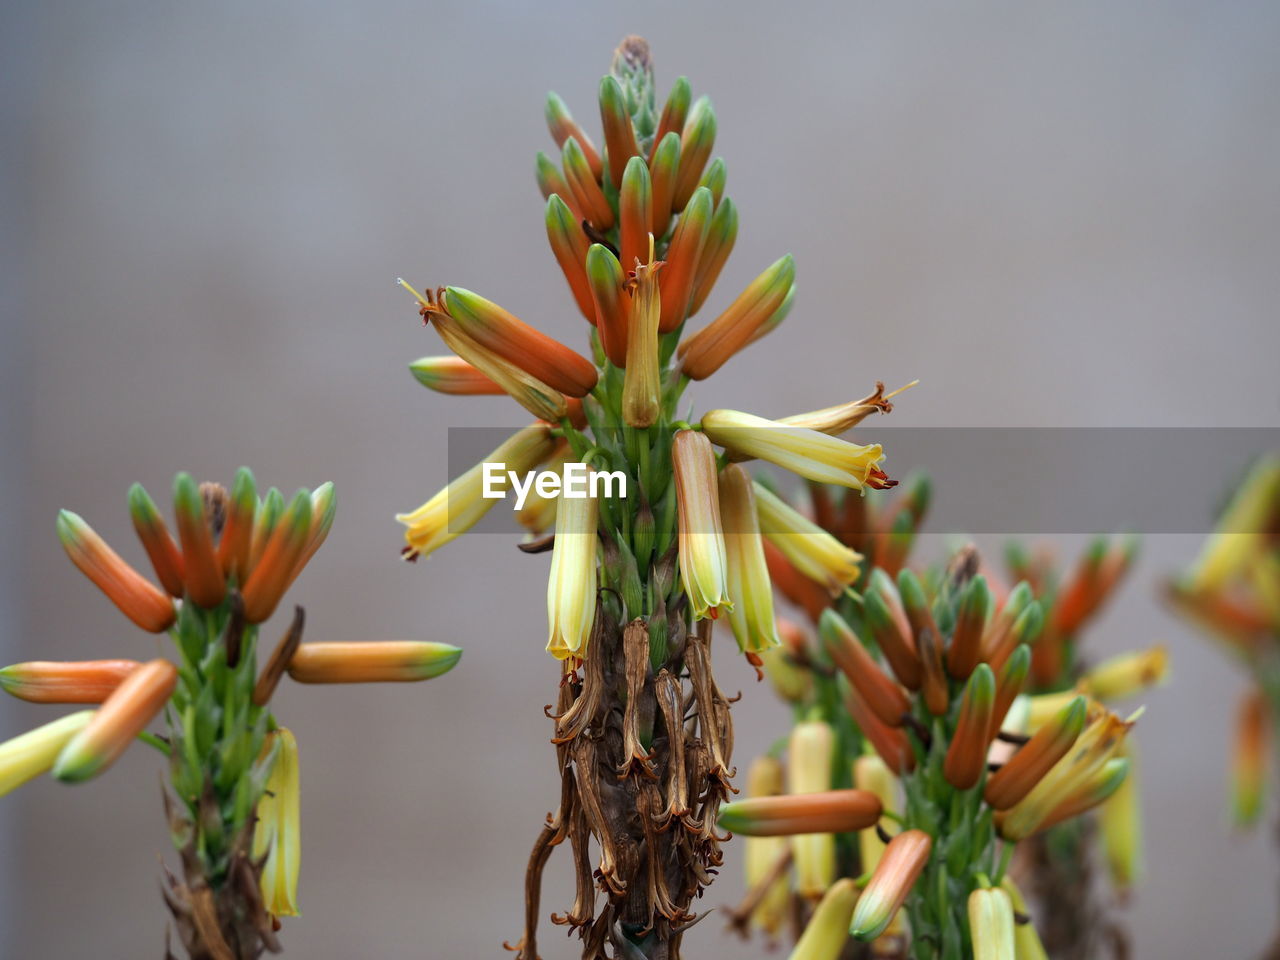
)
(1052, 215)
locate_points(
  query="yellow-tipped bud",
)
(452, 375)
(703, 564)
(276, 835)
(28, 756)
(571, 588)
(809, 756)
(1121, 825)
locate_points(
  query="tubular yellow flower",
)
(1083, 778)
(1128, 674)
(1026, 941)
(538, 515)
(138, 599)
(1120, 821)
(702, 552)
(894, 876)
(276, 835)
(641, 386)
(790, 681)
(460, 506)
(809, 755)
(166, 560)
(814, 456)
(1241, 533)
(382, 661)
(827, 932)
(810, 549)
(452, 375)
(571, 588)
(1037, 757)
(88, 681)
(761, 854)
(991, 925)
(751, 615)
(844, 417)
(122, 716)
(28, 756)
(872, 774)
(543, 401)
(1249, 758)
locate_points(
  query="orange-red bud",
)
(967, 754)
(87, 681)
(1035, 758)
(563, 126)
(278, 564)
(903, 860)
(138, 599)
(163, 553)
(386, 661)
(885, 698)
(676, 280)
(619, 135)
(205, 584)
(833, 811)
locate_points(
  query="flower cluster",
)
(1232, 592)
(234, 806)
(641, 228)
(919, 691)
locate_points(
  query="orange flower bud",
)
(280, 555)
(387, 661)
(87, 681)
(205, 584)
(453, 375)
(569, 244)
(1012, 679)
(1094, 581)
(511, 338)
(928, 642)
(674, 113)
(967, 754)
(635, 215)
(1248, 760)
(612, 302)
(903, 860)
(163, 553)
(707, 350)
(619, 135)
(563, 126)
(682, 256)
(663, 170)
(122, 716)
(896, 645)
(971, 620)
(696, 142)
(235, 544)
(890, 743)
(884, 697)
(588, 196)
(834, 811)
(138, 599)
(551, 183)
